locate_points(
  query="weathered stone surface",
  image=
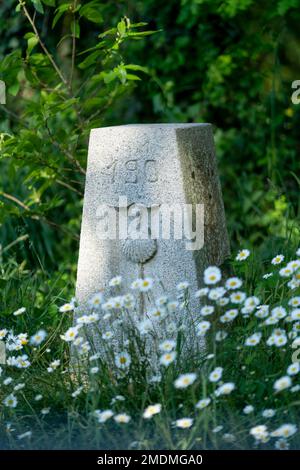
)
(152, 165)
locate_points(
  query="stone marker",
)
(152, 168)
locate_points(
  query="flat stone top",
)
(162, 125)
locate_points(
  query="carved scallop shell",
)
(139, 251)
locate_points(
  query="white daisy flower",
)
(203, 327)
(19, 311)
(223, 301)
(68, 307)
(217, 293)
(282, 444)
(184, 380)
(7, 381)
(184, 423)
(293, 369)
(216, 374)
(295, 314)
(161, 301)
(233, 283)
(167, 358)
(207, 310)
(225, 389)
(269, 413)
(122, 418)
(70, 334)
(203, 403)
(3, 333)
(172, 305)
(280, 340)
(38, 338)
(248, 409)
(55, 364)
(221, 335)
(10, 401)
(279, 312)
(251, 303)
(277, 259)
(285, 430)
(282, 383)
(105, 415)
(229, 315)
(128, 301)
(237, 297)
(152, 410)
(145, 326)
(146, 284)
(155, 378)
(262, 311)
(157, 313)
(182, 286)
(19, 387)
(96, 300)
(293, 283)
(242, 255)
(115, 281)
(294, 302)
(271, 320)
(294, 265)
(253, 340)
(107, 335)
(123, 360)
(285, 272)
(260, 432)
(212, 275)
(167, 345)
(201, 292)
(117, 302)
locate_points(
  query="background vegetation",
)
(70, 66)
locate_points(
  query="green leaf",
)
(38, 5)
(285, 5)
(141, 34)
(130, 76)
(32, 41)
(89, 60)
(121, 28)
(14, 89)
(75, 29)
(136, 67)
(91, 11)
(49, 3)
(59, 12)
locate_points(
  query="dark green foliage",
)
(229, 62)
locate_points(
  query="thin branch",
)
(73, 45)
(14, 199)
(38, 217)
(68, 154)
(31, 21)
(71, 188)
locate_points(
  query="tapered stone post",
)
(135, 171)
